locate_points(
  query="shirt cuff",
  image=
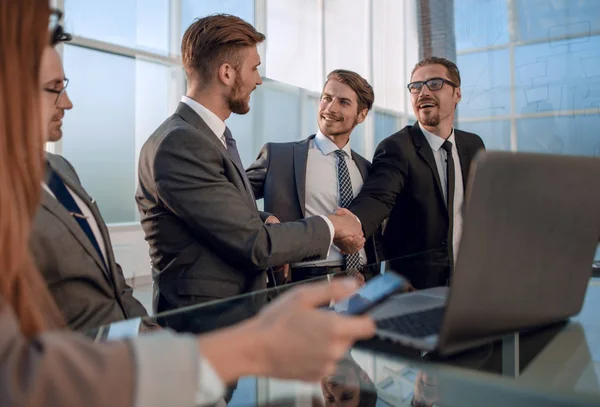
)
(166, 369)
(331, 232)
(210, 385)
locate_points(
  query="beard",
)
(237, 101)
(431, 119)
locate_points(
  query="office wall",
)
(530, 71)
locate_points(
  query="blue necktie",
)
(62, 194)
(351, 261)
(234, 154)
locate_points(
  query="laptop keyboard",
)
(418, 325)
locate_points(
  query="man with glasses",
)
(70, 241)
(418, 180)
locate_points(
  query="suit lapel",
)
(53, 206)
(300, 162)
(189, 115)
(424, 150)
(91, 205)
(242, 173)
(464, 156)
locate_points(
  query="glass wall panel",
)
(544, 19)
(132, 23)
(385, 125)
(346, 36)
(575, 135)
(118, 102)
(485, 84)
(358, 141)
(494, 133)
(310, 107)
(560, 76)
(294, 43)
(480, 23)
(192, 9)
(99, 133)
(390, 73)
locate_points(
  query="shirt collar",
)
(435, 141)
(327, 146)
(212, 120)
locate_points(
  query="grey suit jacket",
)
(207, 239)
(279, 176)
(58, 369)
(86, 292)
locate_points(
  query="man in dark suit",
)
(70, 242)
(418, 180)
(207, 238)
(313, 176)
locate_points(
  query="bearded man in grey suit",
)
(320, 173)
(207, 238)
(70, 242)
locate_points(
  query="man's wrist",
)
(330, 226)
(242, 343)
(250, 350)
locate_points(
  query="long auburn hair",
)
(23, 36)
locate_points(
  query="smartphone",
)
(371, 294)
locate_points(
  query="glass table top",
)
(558, 365)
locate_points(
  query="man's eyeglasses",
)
(433, 84)
(58, 92)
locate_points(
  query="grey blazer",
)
(86, 292)
(279, 176)
(207, 239)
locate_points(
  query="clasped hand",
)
(349, 237)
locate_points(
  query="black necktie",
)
(62, 194)
(351, 261)
(450, 194)
(234, 154)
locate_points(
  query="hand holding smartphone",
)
(372, 293)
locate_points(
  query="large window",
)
(530, 82)
(347, 36)
(557, 19)
(530, 70)
(118, 102)
(131, 23)
(393, 55)
(294, 48)
(192, 9)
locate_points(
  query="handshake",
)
(349, 237)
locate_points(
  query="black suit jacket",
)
(404, 185)
(279, 176)
(207, 239)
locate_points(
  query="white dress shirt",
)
(212, 120)
(85, 210)
(322, 190)
(440, 156)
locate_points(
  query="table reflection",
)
(558, 364)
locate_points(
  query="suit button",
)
(444, 242)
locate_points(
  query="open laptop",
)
(530, 232)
